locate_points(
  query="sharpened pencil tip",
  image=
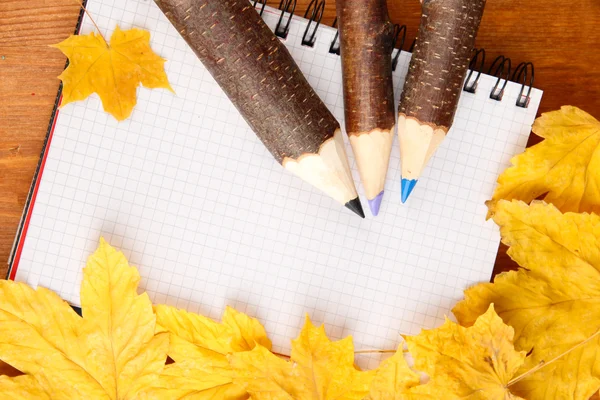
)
(375, 204)
(407, 186)
(356, 207)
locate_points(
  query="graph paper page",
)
(194, 200)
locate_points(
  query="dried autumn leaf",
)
(266, 376)
(23, 387)
(199, 347)
(474, 363)
(318, 369)
(110, 353)
(113, 72)
(194, 379)
(565, 167)
(552, 302)
(192, 333)
(393, 378)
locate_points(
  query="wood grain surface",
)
(560, 38)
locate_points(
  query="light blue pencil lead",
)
(407, 186)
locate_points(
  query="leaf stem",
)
(371, 351)
(367, 351)
(542, 363)
(91, 19)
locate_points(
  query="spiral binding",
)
(501, 67)
(469, 86)
(262, 8)
(286, 6)
(317, 7)
(412, 46)
(334, 47)
(398, 30)
(521, 71)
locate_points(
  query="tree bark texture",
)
(367, 42)
(440, 60)
(257, 73)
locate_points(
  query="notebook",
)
(193, 199)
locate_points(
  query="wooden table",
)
(561, 40)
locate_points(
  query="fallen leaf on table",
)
(552, 302)
(194, 379)
(110, 353)
(474, 363)
(112, 71)
(23, 387)
(565, 167)
(199, 347)
(318, 369)
(195, 334)
(266, 376)
(393, 378)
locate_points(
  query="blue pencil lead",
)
(407, 187)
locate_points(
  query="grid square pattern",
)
(194, 200)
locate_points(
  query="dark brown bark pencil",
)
(437, 70)
(258, 74)
(367, 40)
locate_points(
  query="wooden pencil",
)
(366, 43)
(258, 74)
(437, 70)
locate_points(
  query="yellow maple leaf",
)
(194, 379)
(113, 72)
(110, 353)
(393, 378)
(23, 387)
(266, 376)
(565, 167)
(474, 363)
(318, 369)
(199, 347)
(553, 302)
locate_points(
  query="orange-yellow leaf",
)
(318, 369)
(565, 167)
(553, 302)
(466, 363)
(266, 376)
(113, 71)
(199, 347)
(194, 378)
(110, 353)
(23, 387)
(125, 354)
(393, 379)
